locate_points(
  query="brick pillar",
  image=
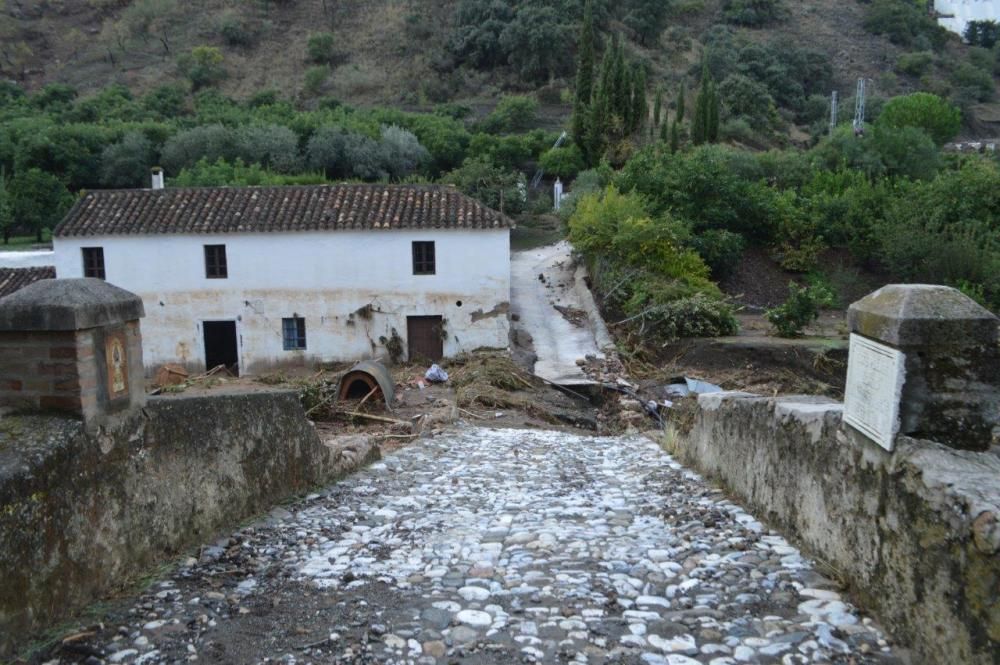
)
(72, 346)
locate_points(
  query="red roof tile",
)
(15, 279)
(268, 209)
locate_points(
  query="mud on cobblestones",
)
(499, 546)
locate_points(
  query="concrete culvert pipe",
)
(364, 377)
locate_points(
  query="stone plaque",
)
(875, 375)
(117, 362)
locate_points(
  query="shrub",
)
(513, 113)
(203, 66)
(753, 13)
(235, 30)
(800, 309)
(904, 23)
(315, 78)
(720, 249)
(977, 81)
(915, 64)
(320, 48)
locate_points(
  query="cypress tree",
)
(640, 108)
(621, 88)
(582, 114)
(675, 136)
(680, 103)
(712, 122)
(585, 58)
(657, 110)
(701, 122)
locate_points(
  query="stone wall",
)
(915, 533)
(83, 513)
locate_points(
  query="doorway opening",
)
(221, 345)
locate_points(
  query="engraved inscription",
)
(875, 375)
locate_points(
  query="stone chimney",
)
(157, 177)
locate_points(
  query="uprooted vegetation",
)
(494, 381)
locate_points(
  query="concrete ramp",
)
(555, 307)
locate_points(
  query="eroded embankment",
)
(81, 515)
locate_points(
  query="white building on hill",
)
(260, 277)
(956, 14)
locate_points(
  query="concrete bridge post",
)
(925, 362)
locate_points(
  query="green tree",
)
(657, 111)
(982, 33)
(924, 111)
(646, 19)
(513, 113)
(39, 201)
(185, 148)
(639, 106)
(534, 42)
(272, 146)
(402, 152)
(705, 124)
(564, 162)
(127, 163)
(680, 104)
(675, 137)
(584, 93)
(496, 187)
(6, 207)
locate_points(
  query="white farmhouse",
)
(260, 277)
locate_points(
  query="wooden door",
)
(424, 338)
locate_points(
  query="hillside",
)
(400, 52)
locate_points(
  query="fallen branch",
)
(521, 379)
(381, 419)
(470, 413)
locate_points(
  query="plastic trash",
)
(435, 374)
(691, 387)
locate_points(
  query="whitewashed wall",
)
(27, 259)
(960, 12)
(322, 276)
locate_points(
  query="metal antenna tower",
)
(833, 111)
(539, 174)
(859, 108)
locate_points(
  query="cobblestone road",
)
(502, 546)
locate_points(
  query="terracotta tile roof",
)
(15, 279)
(262, 209)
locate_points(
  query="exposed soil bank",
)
(82, 515)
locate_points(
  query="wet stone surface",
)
(500, 546)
